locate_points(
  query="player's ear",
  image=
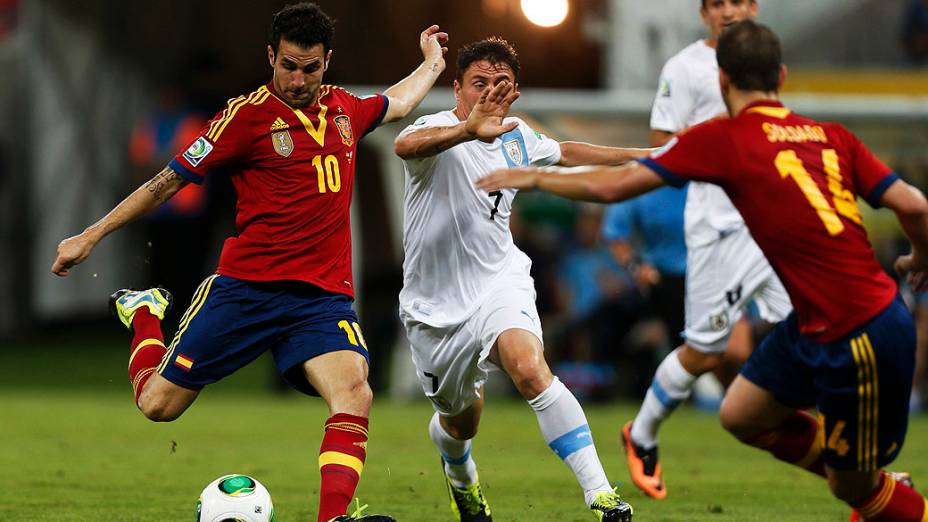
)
(783, 74)
(270, 55)
(328, 56)
(457, 91)
(724, 81)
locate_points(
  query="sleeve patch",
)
(198, 151)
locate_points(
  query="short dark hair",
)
(750, 54)
(703, 2)
(304, 24)
(493, 49)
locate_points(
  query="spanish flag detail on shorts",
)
(183, 362)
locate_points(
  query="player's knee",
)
(697, 362)
(354, 398)
(532, 381)
(852, 487)
(462, 431)
(158, 409)
(733, 422)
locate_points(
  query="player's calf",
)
(892, 499)
(141, 311)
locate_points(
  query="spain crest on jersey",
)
(343, 123)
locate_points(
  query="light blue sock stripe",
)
(565, 445)
(662, 396)
(460, 461)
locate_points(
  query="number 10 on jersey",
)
(327, 173)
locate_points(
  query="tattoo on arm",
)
(159, 185)
(435, 67)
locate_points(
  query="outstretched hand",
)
(485, 120)
(522, 179)
(432, 42)
(72, 251)
(915, 269)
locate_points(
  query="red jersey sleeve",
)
(871, 176)
(368, 113)
(693, 155)
(221, 143)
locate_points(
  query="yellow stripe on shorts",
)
(198, 299)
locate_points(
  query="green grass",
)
(75, 449)
(90, 456)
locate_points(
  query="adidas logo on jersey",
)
(279, 124)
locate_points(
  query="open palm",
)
(485, 121)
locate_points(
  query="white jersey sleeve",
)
(542, 150)
(674, 101)
(418, 166)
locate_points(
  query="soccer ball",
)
(235, 498)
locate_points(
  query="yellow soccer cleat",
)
(124, 303)
(608, 506)
(468, 503)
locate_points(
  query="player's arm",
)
(660, 137)
(575, 153)
(409, 92)
(485, 122)
(911, 209)
(598, 184)
(74, 250)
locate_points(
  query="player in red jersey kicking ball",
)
(284, 282)
(848, 348)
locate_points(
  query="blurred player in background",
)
(849, 347)
(284, 282)
(724, 270)
(468, 301)
(645, 235)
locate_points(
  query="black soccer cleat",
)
(363, 518)
(609, 507)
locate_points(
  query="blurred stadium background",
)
(97, 95)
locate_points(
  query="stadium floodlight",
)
(545, 13)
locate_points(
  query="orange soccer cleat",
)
(643, 465)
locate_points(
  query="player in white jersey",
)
(468, 301)
(725, 269)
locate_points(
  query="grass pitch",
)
(75, 449)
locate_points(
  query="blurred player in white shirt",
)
(725, 269)
(468, 301)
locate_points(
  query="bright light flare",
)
(545, 13)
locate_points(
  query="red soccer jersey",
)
(293, 172)
(795, 182)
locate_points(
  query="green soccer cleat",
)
(124, 303)
(468, 503)
(609, 507)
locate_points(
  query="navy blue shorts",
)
(231, 322)
(860, 384)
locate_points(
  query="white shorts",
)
(451, 362)
(721, 279)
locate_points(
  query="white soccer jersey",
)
(456, 238)
(689, 94)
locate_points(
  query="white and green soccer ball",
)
(235, 498)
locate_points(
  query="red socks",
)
(341, 459)
(893, 501)
(796, 441)
(147, 349)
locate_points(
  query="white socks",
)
(671, 386)
(459, 466)
(567, 433)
